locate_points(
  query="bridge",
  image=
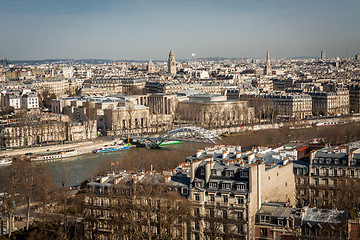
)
(183, 134)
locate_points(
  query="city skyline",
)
(140, 30)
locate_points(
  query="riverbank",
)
(82, 147)
(89, 146)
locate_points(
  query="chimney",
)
(312, 156)
(192, 169)
(350, 158)
(208, 167)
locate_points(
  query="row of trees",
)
(23, 184)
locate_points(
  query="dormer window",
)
(198, 184)
(321, 160)
(315, 160)
(202, 171)
(212, 185)
(336, 161)
(264, 219)
(229, 173)
(243, 174)
(226, 185)
(328, 161)
(213, 172)
(241, 186)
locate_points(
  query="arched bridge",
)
(184, 134)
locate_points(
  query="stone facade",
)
(171, 63)
(227, 187)
(212, 111)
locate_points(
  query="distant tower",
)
(322, 56)
(267, 70)
(172, 63)
(357, 57)
(150, 68)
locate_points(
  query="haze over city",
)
(142, 29)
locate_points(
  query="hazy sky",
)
(143, 29)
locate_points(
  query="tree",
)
(90, 115)
(10, 184)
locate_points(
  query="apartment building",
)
(137, 205)
(277, 220)
(227, 186)
(321, 182)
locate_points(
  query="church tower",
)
(172, 63)
(150, 67)
(267, 70)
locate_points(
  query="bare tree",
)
(10, 185)
(90, 115)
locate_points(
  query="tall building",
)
(150, 67)
(172, 63)
(267, 70)
(357, 57)
(323, 56)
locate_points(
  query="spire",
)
(267, 70)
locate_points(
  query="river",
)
(79, 168)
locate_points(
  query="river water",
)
(79, 168)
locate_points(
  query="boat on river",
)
(54, 155)
(120, 145)
(5, 162)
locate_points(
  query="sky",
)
(149, 29)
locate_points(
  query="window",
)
(225, 214)
(197, 226)
(184, 190)
(240, 186)
(263, 232)
(317, 171)
(240, 215)
(240, 200)
(280, 222)
(229, 173)
(352, 173)
(264, 219)
(197, 197)
(244, 174)
(225, 198)
(212, 185)
(335, 172)
(211, 213)
(240, 229)
(198, 184)
(212, 198)
(316, 181)
(197, 211)
(226, 185)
